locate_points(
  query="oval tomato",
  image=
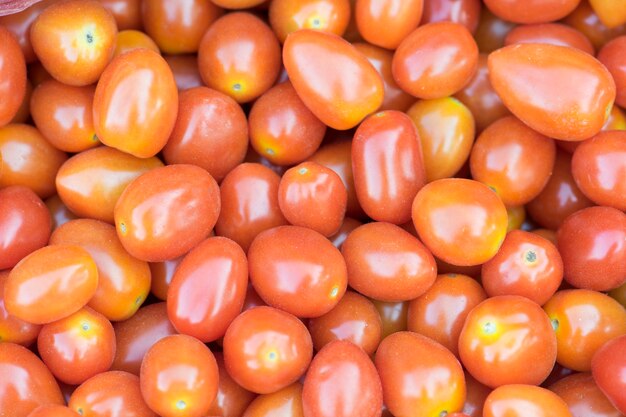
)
(12, 76)
(608, 367)
(524, 401)
(398, 18)
(531, 11)
(13, 329)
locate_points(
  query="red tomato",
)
(13, 329)
(531, 11)
(465, 12)
(232, 399)
(611, 55)
(53, 410)
(583, 397)
(127, 40)
(185, 70)
(585, 19)
(387, 22)
(287, 16)
(524, 401)
(346, 228)
(127, 13)
(393, 315)
(287, 401)
(550, 33)
(491, 31)
(476, 395)
(342, 381)
(334, 80)
(609, 369)
(162, 274)
(19, 24)
(59, 211)
(12, 76)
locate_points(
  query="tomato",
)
(59, 211)
(249, 196)
(419, 376)
(608, 366)
(127, 40)
(185, 70)
(13, 329)
(162, 274)
(592, 243)
(502, 336)
(288, 16)
(19, 24)
(446, 131)
(170, 392)
(585, 89)
(123, 281)
(531, 11)
(110, 394)
(165, 212)
(611, 13)
(239, 55)
(388, 166)
(585, 19)
(550, 33)
(336, 82)
(237, 4)
(51, 283)
(136, 103)
(393, 315)
(23, 113)
(286, 401)
(26, 383)
(610, 55)
(136, 335)
(53, 410)
(465, 12)
(524, 401)
(24, 222)
(354, 319)
(476, 395)
(297, 270)
(491, 31)
(583, 321)
(74, 40)
(232, 399)
(619, 294)
(28, 159)
(342, 381)
(177, 26)
(91, 182)
(583, 397)
(461, 221)
(266, 349)
(527, 265)
(127, 13)
(398, 18)
(210, 131)
(12, 76)
(440, 312)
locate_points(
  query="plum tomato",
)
(232, 399)
(237, 4)
(127, 40)
(491, 31)
(333, 79)
(475, 398)
(239, 56)
(287, 16)
(420, 377)
(465, 12)
(398, 18)
(266, 349)
(74, 40)
(19, 24)
(136, 103)
(53, 410)
(185, 70)
(502, 336)
(583, 321)
(583, 397)
(518, 400)
(167, 211)
(12, 76)
(550, 33)
(127, 13)
(13, 329)
(179, 377)
(611, 13)
(286, 401)
(612, 57)
(583, 86)
(393, 315)
(531, 11)
(608, 367)
(59, 211)
(342, 381)
(461, 221)
(585, 19)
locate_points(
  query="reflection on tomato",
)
(524, 401)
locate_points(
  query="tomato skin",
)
(53, 410)
(518, 400)
(287, 400)
(465, 12)
(393, 315)
(551, 33)
(479, 226)
(59, 211)
(127, 13)
(583, 397)
(136, 103)
(55, 269)
(585, 87)
(19, 24)
(13, 329)
(74, 40)
(165, 212)
(28, 220)
(232, 399)
(208, 289)
(127, 40)
(169, 392)
(585, 19)
(185, 70)
(611, 56)
(592, 243)
(476, 395)
(12, 76)
(419, 376)
(342, 381)
(266, 349)
(288, 16)
(399, 18)
(532, 11)
(501, 336)
(608, 366)
(335, 81)
(26, 382)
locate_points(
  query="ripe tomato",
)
(476, 395)
(583, 397)
(288, 16)
(465, 12)
(608, 366)
(398, 18)
(491, 31)
(286, 401)
(232, 399)
(611, 56)
(611, 13)
(53, 410)
(524, 401)
(393, 315)
(585, 19)
(531, 11)
(127, 13)
(237, 4)
(127, 40)
(185, 70)
(13, 329)
(12, 76)
(19, 24)
(59, 211)
(550, 33)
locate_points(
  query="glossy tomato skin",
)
(335, 81)
(53, 410)
(585, 19)
(55, 269)
(25, 221)
(91, 182)
(436, 60)
(266, 349)
(13, 329)
(328, 15)
(393, 315)
(342, 381)
(208, 289)
(136, 103)
(59, 211)
(287, 400)
(232, 399)
(607, 366)
(19, 24)
(501, 336)
(519, 400)
(419, 376)
(465, 12)
(185, 70)
(297, 270)
(461, 221)
(398, 18)
(169, 392)
(74, 40)
(610, 55)
(491, 31)
(476, 395)
(592, 243)
(583, 397)
(123, 281)
(551, 33)
(12, 76)
(127, 13)
(239, 55)
(127, 40)
(533, 11)
(26, 382)
(165, 212)
(585, 87)
(211, 131)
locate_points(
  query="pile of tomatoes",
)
(318, 208)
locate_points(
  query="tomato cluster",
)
(313, 208)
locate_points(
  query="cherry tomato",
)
(127, 40)
(531, 11)
(237, 4)
(336, 82)
(583, 397)
(13, 329)
(19, 24)
(165, 212)
(127, 13)
(185, 70)
(232, 399)
(476, 395)
(610, 55)
(419, 376)
(393, 315)
(550, 33)
(59, 211)
(346, 228)
(287, 401)
(398, 18)
(266, 349)
(12, 76)
(465, 12)
(608, 366)
(524, 401)
(288, 16)
(491, 31)
(585, 19)
(53, 410)
(611, 13)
